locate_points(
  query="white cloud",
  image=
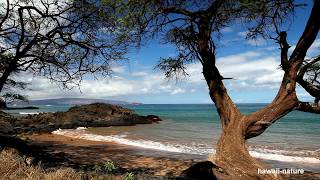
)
(139, 74)
(227, 30)
(248, 70)
(251, 70)
(145, 83)
(177, 91)
(118, 69)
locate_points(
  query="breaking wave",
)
(199, 149)
(27, 113)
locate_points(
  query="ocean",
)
(192, 130)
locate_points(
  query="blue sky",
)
(254, 65)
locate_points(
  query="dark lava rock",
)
(91, 115)
(18, 108)
(200, 171)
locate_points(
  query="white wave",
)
(80, 133)
(26, 113)
(267, 154)
(285, 158)
(303, 153)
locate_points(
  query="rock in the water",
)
(200, 171)
(91, 115)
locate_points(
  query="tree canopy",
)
(61, 40)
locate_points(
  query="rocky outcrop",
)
(91, 115)
(22, 108)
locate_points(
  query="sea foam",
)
(276, 155)
(26, 113)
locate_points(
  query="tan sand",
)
(79, 153)
(84, 153)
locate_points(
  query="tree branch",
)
(284, 46)
(308, 107)
(312, 89)
(309, 35)
(286, 99)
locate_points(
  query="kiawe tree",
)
(61, 40)
(194, 27)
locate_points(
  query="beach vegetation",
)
(129, 176)
(14, 166)
(107, 167)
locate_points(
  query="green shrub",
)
(129, 176)
(109, 167)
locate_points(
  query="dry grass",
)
(13, 166)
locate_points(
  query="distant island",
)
(73, 101)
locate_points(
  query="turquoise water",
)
(293, 141)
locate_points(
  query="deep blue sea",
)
(193, 129)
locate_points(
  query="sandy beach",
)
(57, 150)
(60, 151)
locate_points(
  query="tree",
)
(194, 27)
(9, 93)
(58, 39)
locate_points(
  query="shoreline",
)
(272, 157)
(83, 154)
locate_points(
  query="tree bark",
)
(233, 156)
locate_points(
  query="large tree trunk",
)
(233, 156)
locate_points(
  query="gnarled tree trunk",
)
(232, 153)
(233, 156)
